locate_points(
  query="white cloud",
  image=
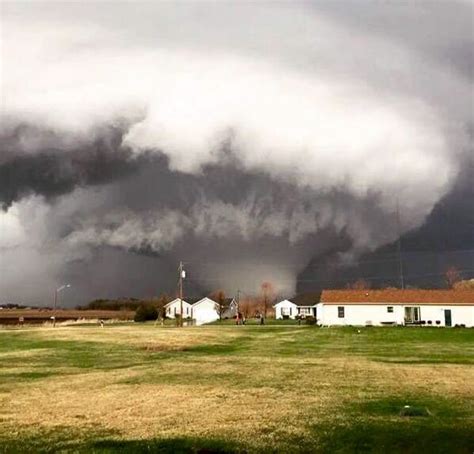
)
(299, 96)
(12, 233)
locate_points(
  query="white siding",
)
(460, 315)
(360, 314)
(174, 308)
(286, 307)
(205, 311)
(377, 314)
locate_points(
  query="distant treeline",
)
(16, 306)
(125, 304)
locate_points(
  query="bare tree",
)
(219, 297)
(247, 306)
(268, 294)
(359, 284)
(467, 284)
(162, 301)
(452, 275)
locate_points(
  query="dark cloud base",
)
(145, 184)
(446, 239)
(50, 171)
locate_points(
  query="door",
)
(412, 314)
(447, 317)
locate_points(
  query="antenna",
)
(399, 248)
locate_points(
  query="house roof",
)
(227, 302)
(203, 299)
(284, 301)
(195, 300)
(306, 299)
(394, 296)
(190, 301)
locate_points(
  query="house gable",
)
(176, 301)
(285, 303)
(306, 299)
(204, 301)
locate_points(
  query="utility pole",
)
(182, 275)
(399, 248)
(56, 300)
(55, 305)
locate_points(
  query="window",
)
(340, 311)
(390, 309)
(412, 314)
(305, 311)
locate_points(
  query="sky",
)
(247, 139)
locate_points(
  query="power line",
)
(399, 248)
(181, 276)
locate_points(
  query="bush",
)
(310, 320)
(146, 312)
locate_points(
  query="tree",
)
(359, 284)
(268, 295)
(219, 297)
(247, 306)
(467, 284)
(452, 275)
(145, 312)
(163, 300)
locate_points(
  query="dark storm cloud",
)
(446, 239)
(255, 140)
(217, 221)
(51, 171)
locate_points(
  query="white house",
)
(229, 308)
(301, 305)
(173, 308)
(285, 308)
(205, 311)
(201, 310)
(396, 307)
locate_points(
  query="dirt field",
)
(141, 388)
(38, 316)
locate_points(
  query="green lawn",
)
(226, 388)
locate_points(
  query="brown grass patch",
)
(239, 397)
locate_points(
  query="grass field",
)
(141, 388)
